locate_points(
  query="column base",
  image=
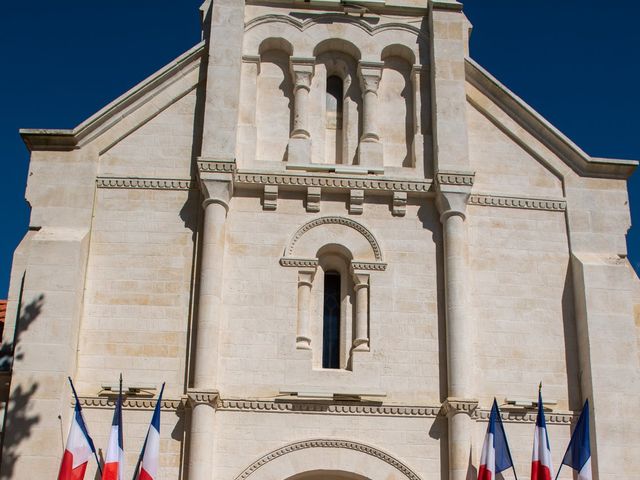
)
(299, 150)
(370, 154)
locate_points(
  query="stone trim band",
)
(395, 186)
(408, 411)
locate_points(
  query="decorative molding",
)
(411, 411)
(347, 222)
(313, 199)
(527, 416)
(340, 18)
(333, 408)
(329, 443)
(131, 403)
(380, 267)
(146, 183)
(216, 166)
(299, 262)
(399, 205)
(356, 201)
(453, 406)
(202, 398)
(270, 199)
(455, 178)
(549, 204)
(334, 181)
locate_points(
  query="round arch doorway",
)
(327, 475)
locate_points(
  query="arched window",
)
(331, 320)
(334, 108)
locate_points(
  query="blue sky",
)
(575, 62)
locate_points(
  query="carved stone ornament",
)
(454, 406)
(552, 205)
(202, 398)
(411, 411)
(146, 183)
(455, 178)
(334, 221)
(132, 403)
(329, 443)
(370, 74)
(216, 166)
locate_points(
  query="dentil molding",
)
(146, 183)
(329, 443)
(553, 205)
(132, 403)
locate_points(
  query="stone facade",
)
(184, 233)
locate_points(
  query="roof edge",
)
(71, 139)
(543, 130)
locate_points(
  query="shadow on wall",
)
(18, 423)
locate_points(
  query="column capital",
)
(305, 276)
(453, 190)
(216, 191)
(360, 279)
(302, 70)
(453, 406)
(202, 397)
(370, 74)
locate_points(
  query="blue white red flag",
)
(151, 449)
(578, 455)
(496, 456)
(114, 461)
(79, 449)
(541, 466)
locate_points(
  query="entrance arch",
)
(340, 459)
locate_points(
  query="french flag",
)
(541, 467)
(578, 455)
(114, 461)
(79, 449)
(151, 449)
(496, 456)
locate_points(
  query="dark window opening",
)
(334, 102)
(331, 321)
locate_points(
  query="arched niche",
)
(352, 237)
(274, 99)
(344, 459)
(397, 99)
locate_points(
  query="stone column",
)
(299, 149)
(370, 148)
(361, 287)
(453, 194)
(217, 193)
(202, 406)
(305, 281)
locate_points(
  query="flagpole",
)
(513, 467)
(144, 445)
(75, 394)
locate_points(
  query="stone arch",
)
(276, 43)
(358, 239)
(355, 459)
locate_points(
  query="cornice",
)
(333, 182)
(519, 416)
(132, 403)
(146, 183)
(331, 409)
(539, 127)
(314, 182)
(216, 166)
(299, 262)
(455, 178)
(71, 139)
(469, 407)
(549, 204)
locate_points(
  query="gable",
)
(502, 166)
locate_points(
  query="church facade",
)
(336, 238)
